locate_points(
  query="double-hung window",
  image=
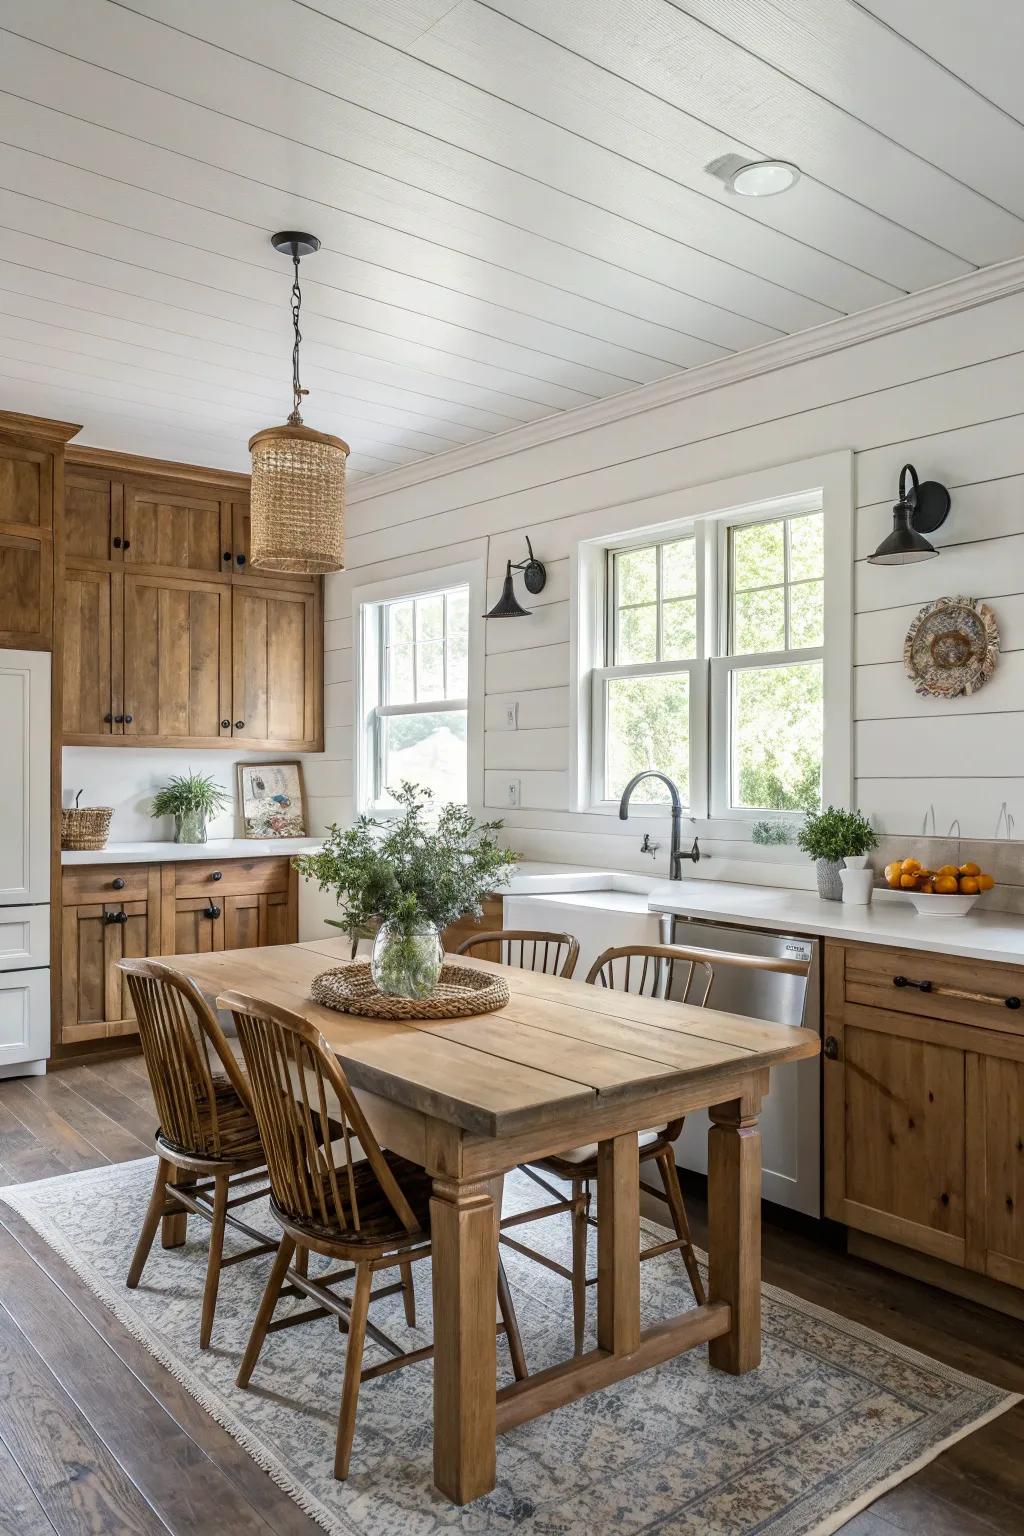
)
(713, 664)
(416, 695)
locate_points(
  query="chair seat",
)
(379, 1227)
(239, 1135)
(588, 1153)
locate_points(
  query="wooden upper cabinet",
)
(276, 669)
(88, 696)
(177, 660)
(92, 518)
(178, 530)
(26, 544)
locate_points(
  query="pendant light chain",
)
(295, 419)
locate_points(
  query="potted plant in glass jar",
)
(413, 875)
(833, 838)
(192, 799)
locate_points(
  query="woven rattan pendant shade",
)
(297, 501)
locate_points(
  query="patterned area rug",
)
(835, 1414)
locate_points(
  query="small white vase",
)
(857, 880)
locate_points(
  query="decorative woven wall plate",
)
(951, 647)
(460, 992)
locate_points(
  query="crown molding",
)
(37, 426)
(110, 461)
(960, 293)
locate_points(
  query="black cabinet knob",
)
(116, 542)
(119, 719)
(239, 725)
(127, 719)
(227, 554)
(212, 911)
(108, 719)
(122, 917)
(225, 725)
(216, 875)
(240, 559)
(118, 884)
(127, 543)
(831, 1047)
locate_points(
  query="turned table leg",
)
(464, 1241)
(734, 1231)
(618, 1244)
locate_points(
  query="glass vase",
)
(406, 962)
(190, 827)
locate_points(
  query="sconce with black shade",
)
(534, 578)
(920, 510)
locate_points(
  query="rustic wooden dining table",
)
(562, 1065)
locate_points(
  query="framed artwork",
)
(273, 799)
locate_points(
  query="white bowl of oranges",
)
(947, 892)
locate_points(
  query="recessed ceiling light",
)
(764, 178)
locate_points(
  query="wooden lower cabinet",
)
(153, 909)
(924, 1113)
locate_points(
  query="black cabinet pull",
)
(110, 917)
(116, 542)
(122, 917)
(239, 725)
(227, 554)
(904, 981)
(240, 559)
(225, 725)
(831, 1047)
(118, 884)
(108, 719)
(212, 911)
(216, 875)
(127, 544)
(127, 719)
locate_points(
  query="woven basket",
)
(85, 829)
(459, 993)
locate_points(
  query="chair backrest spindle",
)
(557, 958)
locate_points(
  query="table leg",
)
(174, 1229)
(464, 1241)
(618, 1244)
(734, 1231)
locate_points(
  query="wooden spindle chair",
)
(684, 973)
(552, 954)
(207, 1142)
(349, 1200)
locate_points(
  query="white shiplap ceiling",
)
(511, 194)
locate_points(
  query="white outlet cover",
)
(512, 716)
(512, 792)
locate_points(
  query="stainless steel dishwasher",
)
(791, 1114)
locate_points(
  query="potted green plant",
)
(413, 875)
(192, 799)
(831, 837)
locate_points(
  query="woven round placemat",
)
(459, 993)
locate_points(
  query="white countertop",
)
(167, 853)
(890, 919)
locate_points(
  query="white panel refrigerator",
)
(24, 862)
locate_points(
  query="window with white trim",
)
(416, 695)
(713, 651)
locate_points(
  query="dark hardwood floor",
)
(96, 1437)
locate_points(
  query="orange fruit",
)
(985, 882)
(949, 869)
(893, 872)
(910, 866)
(909, 882)
(970, 869)
(969, 885)
(945, 885)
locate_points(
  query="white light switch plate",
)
(512, 792)
(512, 716)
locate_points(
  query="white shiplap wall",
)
(945, 392)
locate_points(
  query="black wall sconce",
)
(920, 510)
(534, 578)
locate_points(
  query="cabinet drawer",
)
(99, 882)
(231, 877)
(960, 991)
